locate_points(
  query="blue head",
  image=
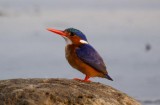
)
(71, 36)
(76, 32)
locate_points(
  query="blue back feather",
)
(90, 56)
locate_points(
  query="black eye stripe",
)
(71, 34)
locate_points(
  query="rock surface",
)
(60, 92)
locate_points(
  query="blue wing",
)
(90, 56)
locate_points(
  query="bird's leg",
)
(86, 79)
(83, 80)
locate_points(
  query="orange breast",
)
(76, 63)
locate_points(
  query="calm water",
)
(126, 34)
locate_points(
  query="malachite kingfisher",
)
(81, 55)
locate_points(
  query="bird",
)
(81, 55)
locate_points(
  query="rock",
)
(60, 92)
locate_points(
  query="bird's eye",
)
(71, 34)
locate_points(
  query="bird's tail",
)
(108, 77)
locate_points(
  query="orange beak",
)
(59, 32)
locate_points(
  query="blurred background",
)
(126, 33)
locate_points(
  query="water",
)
(120, 31)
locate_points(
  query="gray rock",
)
(60, 92)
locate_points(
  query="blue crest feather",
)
(77, 32)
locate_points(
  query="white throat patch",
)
(83, 41)
(68, 41)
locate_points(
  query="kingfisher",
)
(81, 55)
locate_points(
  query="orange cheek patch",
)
(75, 40)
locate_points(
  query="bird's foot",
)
(82, 80)
(86, 79)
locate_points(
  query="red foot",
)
(86, 79)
